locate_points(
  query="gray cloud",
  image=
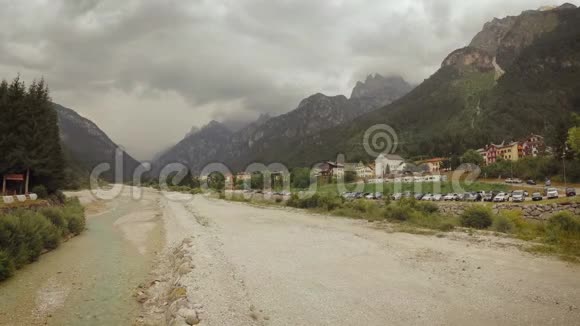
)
(147, 71)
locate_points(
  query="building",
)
(533, 145)
(330, 169)
(388, 163)
(363, 171)
(530, 146)
(433, 165)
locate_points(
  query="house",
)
(433, 165)
(388, 163)
(533, 145)
(363, 171)
(330, 169)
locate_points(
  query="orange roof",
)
(434, 160)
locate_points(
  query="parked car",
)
(407, 194)
(437, 197)
(460, 197)
(536, 196)
(518, 196)
(570, 192)
(501, 197)
(427, 197)
(531, 182)
(552, 193)
(370, 196)
(418, 196)
(450, 196)
(397, 196)
(472, 196)
(508, 180)
(516, 180)
(378, 195)
(488, 196)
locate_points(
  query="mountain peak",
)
(214, 124)
(376, 84)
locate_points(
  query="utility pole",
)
(564, 165)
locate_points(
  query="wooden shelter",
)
(14, 178)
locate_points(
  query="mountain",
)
(520, 74)
(196, 147)
(86, 145)
(377, 91)
(260, 140)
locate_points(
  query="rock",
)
(190, 316)
(198, 306)
(142, 297)
(184, 269)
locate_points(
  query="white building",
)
(388, 163)
(362, 171)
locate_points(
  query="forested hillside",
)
(520, 75)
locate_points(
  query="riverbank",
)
(91, 279)
(267, 265)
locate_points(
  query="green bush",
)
(563, 225)
(58, 197)
(428, 208)
(74, 214)
(56, 217)
(41, 191)
(6, 265)
(478, 217)
(24, 234)
(398, 212)
(503, 224)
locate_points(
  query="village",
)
(394, 169)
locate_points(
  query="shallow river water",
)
(88, 280)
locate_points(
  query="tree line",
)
(29, 134)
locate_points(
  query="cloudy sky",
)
(147, 71)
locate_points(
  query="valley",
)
(271, 266)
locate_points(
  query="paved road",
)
(264, 266)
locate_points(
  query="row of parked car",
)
(475, 196)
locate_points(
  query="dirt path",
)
(264, 266)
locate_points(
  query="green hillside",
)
(462, 105)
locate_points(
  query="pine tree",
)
(30, 137)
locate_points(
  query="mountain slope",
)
(535, 58)
(261, 140)
(86, 146)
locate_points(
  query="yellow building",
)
(510, 151)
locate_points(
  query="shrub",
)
(58, 197)
(41, 191)
(478, 217)
(74, 213)
(398, 212)
(25, 233)
(6, 265)
(503, 224)
(563, 225)
(56, 217)
(428, 208)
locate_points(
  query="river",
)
(90, 279)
